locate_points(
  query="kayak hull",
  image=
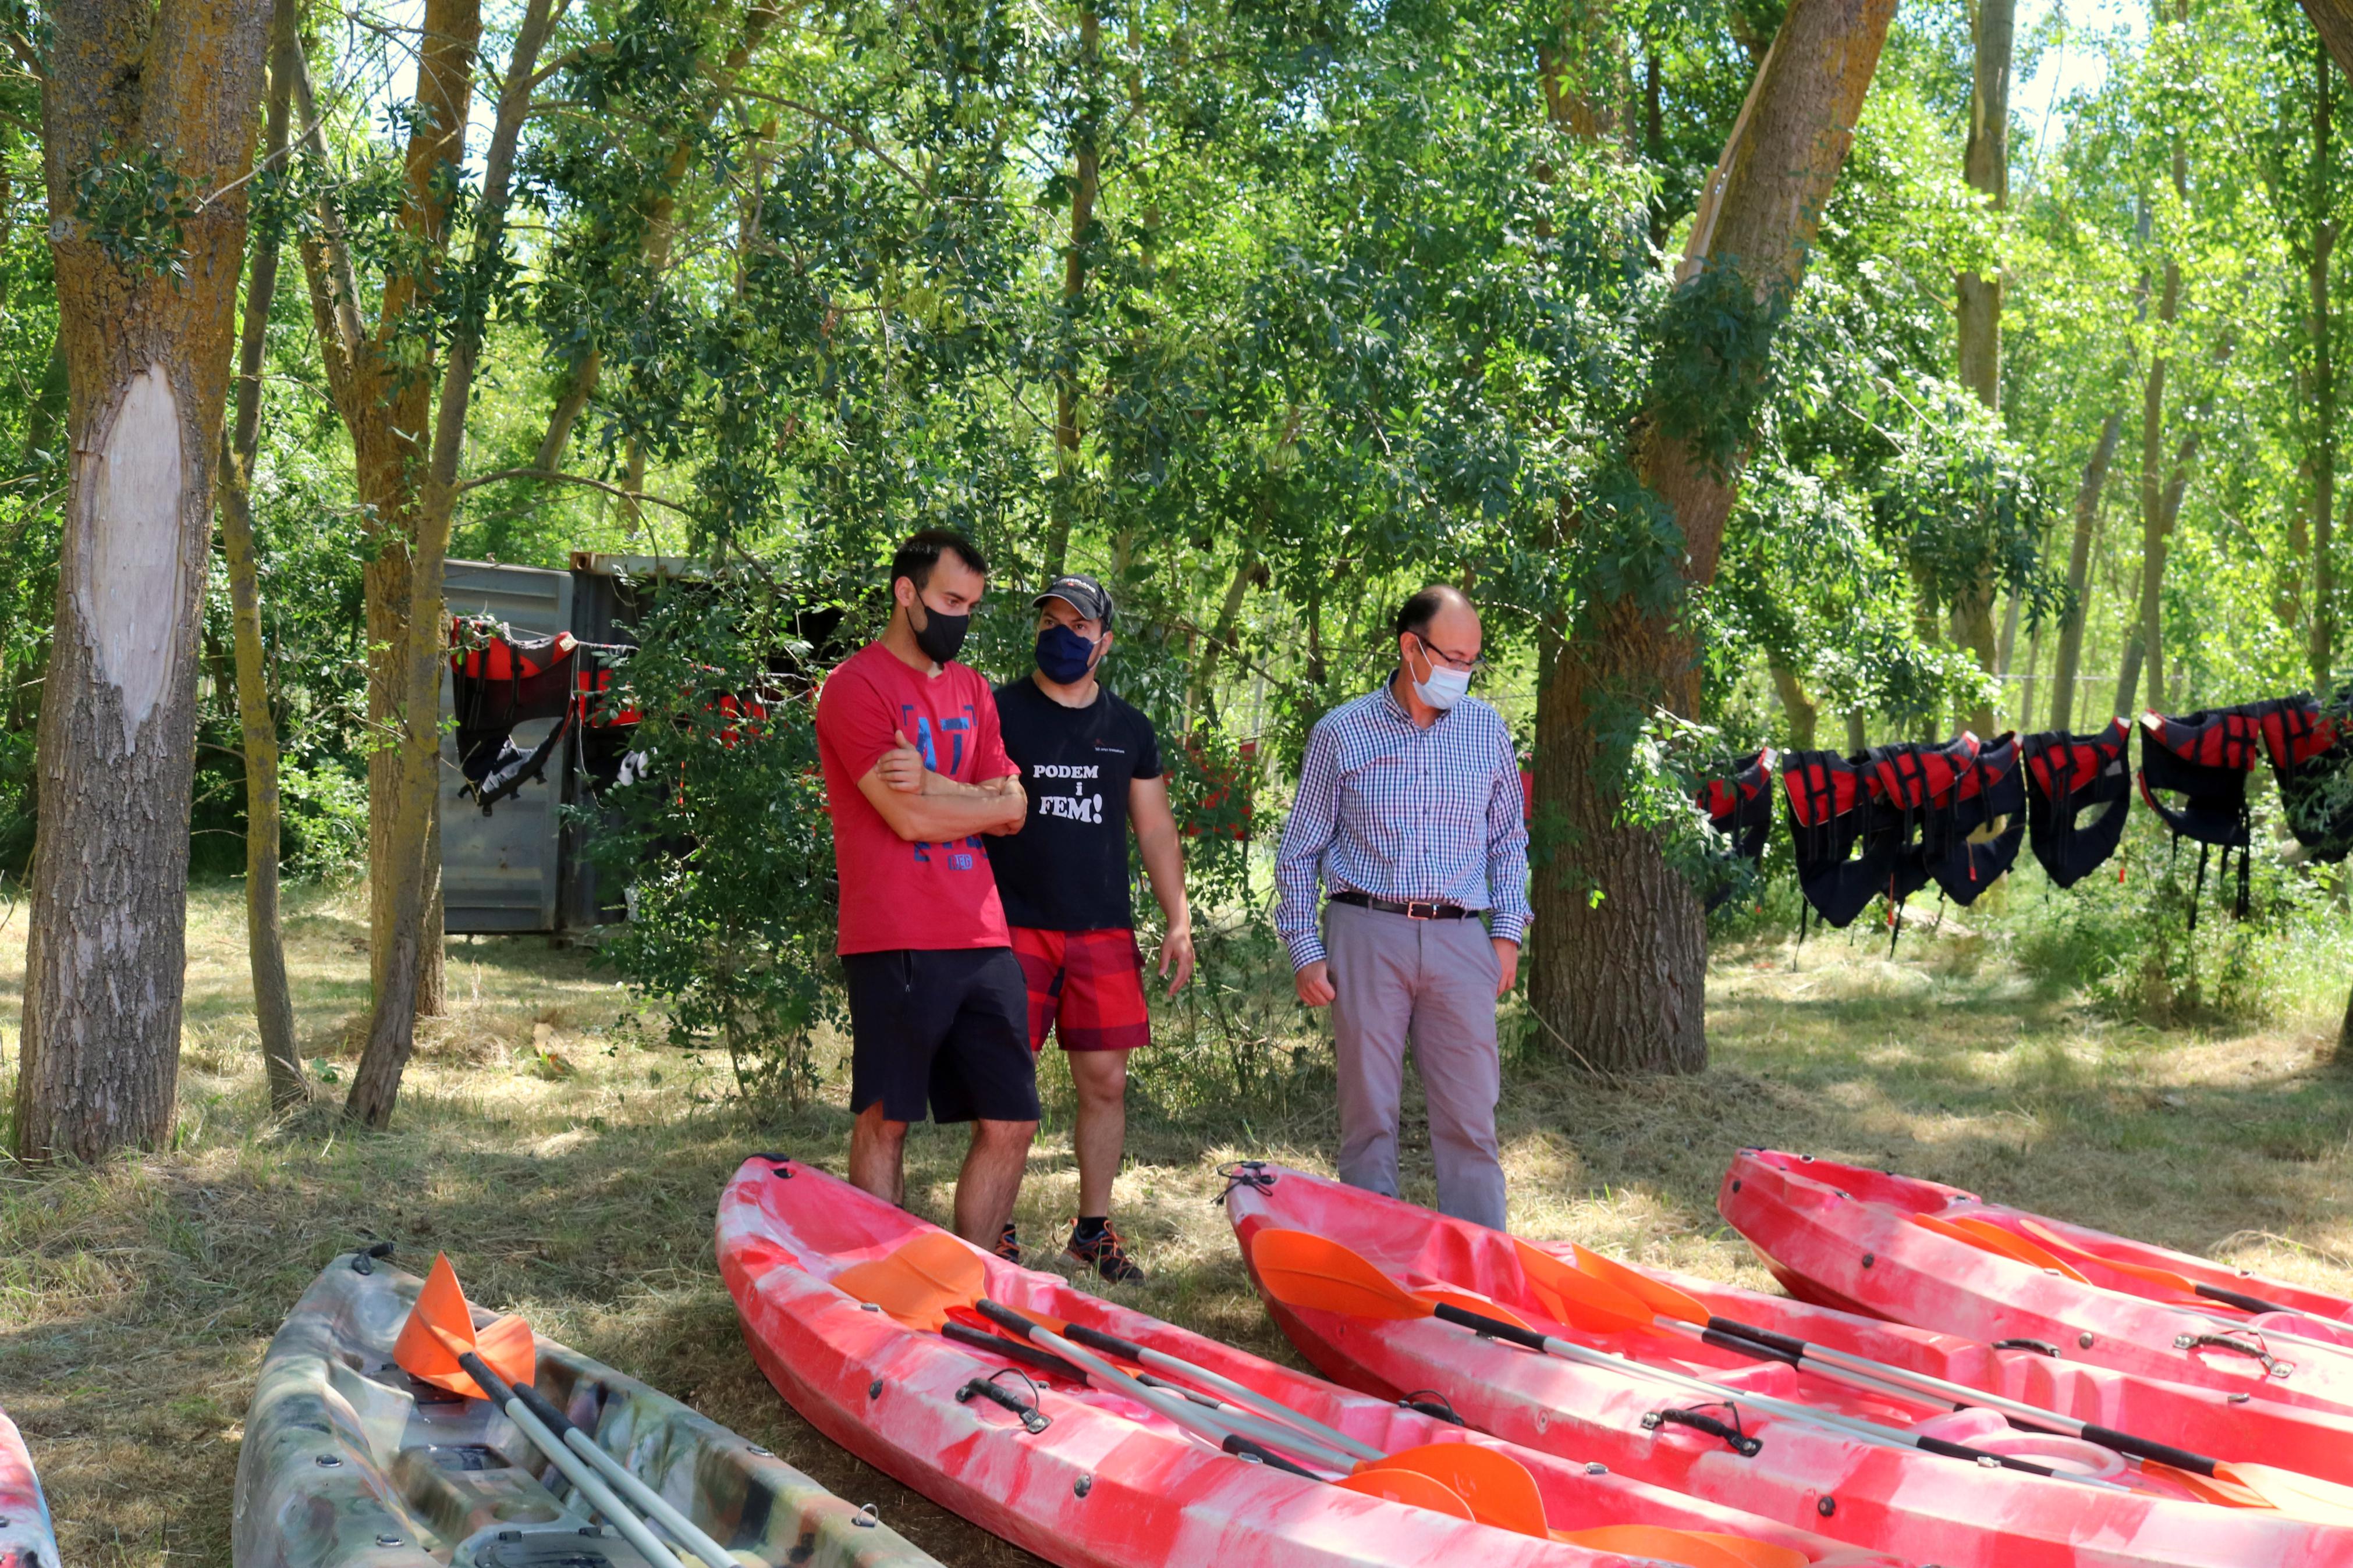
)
(1913, 1505)
(346, 1461)
(1846, 1236)
(26, 1537)
(1108, 1483)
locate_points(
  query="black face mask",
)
(940, 634)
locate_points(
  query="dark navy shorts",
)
(943, 1030)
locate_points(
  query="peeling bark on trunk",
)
(147, 362)
(2079, 561)
(273, 1000)
(1620, 985)
(392, 1029)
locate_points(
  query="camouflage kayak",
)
(347, 1460)
(26, 1541)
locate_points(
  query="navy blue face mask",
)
(1063, 656)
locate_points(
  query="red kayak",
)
(1743, 1450)
(1937, 1258)
(25, 1539)
(1084, 1475)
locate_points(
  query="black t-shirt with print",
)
(1066, 869)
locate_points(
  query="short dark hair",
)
(920, 550)
(1416, 613)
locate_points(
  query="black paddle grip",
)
(1494, 1328)
(1763, 1349)
(1979, 1456)
(1109, 1345)
(537, 1402)
(1789, 1348)
(1004, 1316)
(2243, 1302)
(2143, 1448)
(1239, 1446)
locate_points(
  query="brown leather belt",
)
(1412, 910)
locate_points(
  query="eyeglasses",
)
(1467, 664)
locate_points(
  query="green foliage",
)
(722, 841)
(136, 209)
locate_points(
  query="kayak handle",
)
(2272, 1365)
(1033, 1420)
(1738, 1441)
(2039, 1347)
(1429, 1401)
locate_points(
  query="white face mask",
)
(1444, 688)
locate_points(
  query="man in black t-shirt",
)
(1091, 765)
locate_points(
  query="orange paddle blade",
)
(1691, 1548)
(2164, 1278)
(2297, 1496)
(441, 1328)
(1585, 1300)
(1409, 1487)
(919, 1282)
(2218, 1490)
(1656, 1294)
(1303, 1271)
(1994, 1239)
(1498, 1487)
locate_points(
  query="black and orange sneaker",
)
(1009, 1244)
(1104, 1253)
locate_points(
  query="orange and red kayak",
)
(1922, 1253)
(1085, 1476)
(1727, 1450)
(26, 1539)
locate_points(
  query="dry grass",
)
(570, 1172)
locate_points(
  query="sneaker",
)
(1106, 1255)
(1008, 1244)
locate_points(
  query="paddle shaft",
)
(575, 1469)
(1858, 1371)
(1215, 1426)
(647, 1500)
(1869, 1431)
(1240, 1394)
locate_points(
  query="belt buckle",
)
(1421, 910)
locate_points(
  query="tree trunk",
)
(1795, 704)
(2079, 582)
(1986, 166)
(1247, 570)
(2026, 687)
(147, 362)
(2333, 20)
(392, 1029)
(273, 1001)
(1617, 983)
(2321, 648)
(1084, 184)
(2152, 436)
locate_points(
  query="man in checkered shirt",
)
(1409, 812)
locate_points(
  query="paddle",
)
(2166, 1278)
(924, 1281)
(439, 1344)
(1303, 1271)
(1663, 1306)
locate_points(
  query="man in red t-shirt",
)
(915, 773)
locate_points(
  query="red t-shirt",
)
(895, 894)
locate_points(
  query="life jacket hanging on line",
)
(1741, 809)
(2205, 757)
(1840, 869)
(1990, 795)
(2066, 777)
(1916, 801)
(2311, 757)
(499, 681)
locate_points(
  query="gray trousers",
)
(1431, 983)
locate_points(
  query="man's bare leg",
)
(877, 1155)
(1101, 1077)
(991, 1179)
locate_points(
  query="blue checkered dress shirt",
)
(1399, 812)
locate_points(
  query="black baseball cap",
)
(1083, 594)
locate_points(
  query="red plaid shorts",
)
(1085, 986)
